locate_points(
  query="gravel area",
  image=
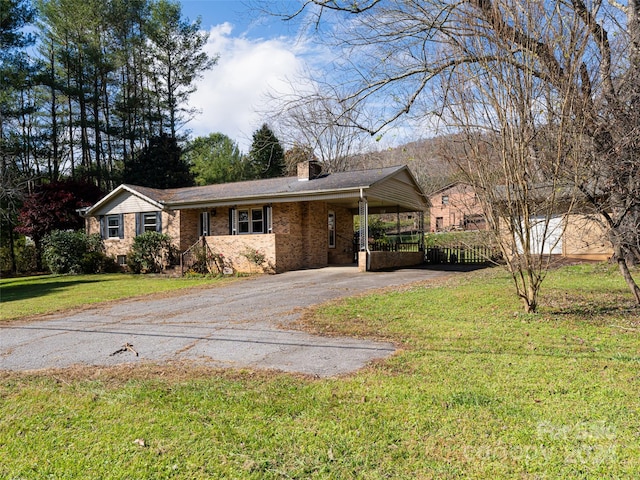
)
(239, 325)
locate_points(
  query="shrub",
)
(75, 252)
(254, 256)
(25, 256)
(455, 239)
(26, 259)
(206, 261)
(98, 262)
(151, 252)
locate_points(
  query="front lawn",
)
(26, 296)
(478, 390)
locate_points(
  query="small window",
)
(332, 230)
(256, 221)
(122, 260)
(243, 221)
(150, 222)
(113, 226)
(445, 199)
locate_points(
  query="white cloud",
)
(231, 95)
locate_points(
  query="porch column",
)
(421, 230)
(363, 235)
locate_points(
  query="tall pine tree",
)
(266, 155)
(15, 73)
(216, 159)
(159, 165)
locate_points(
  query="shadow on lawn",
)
(25, 289)
(594, 310)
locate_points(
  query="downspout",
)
(365, 229)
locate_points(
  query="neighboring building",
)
(293, 222)
(573, 235)
(585, 237)
(455, 207)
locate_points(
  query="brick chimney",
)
(309, 170)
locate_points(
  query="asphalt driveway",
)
(242, 324)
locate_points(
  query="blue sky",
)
(258, 54)
(248, 21)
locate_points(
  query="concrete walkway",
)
(242, 324)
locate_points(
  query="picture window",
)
(250, 221)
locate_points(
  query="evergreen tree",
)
(215, 159)
(15, 75)
(176, 60)
(118, 73)
(159, 165)
(267, 155)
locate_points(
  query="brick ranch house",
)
(304, 221)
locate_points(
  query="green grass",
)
(455, 239)
(477, 390)
(26, 296)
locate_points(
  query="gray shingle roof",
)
(271, 187)
(383, 187)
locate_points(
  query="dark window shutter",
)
(232, 217)
(121, 226)
(138, 224)
(266, 216)
(159, 222)
(207, 231)
(103, 227)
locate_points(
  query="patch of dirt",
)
(170, 372)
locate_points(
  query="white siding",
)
(545, 238)
(126, 202)
(399, 190)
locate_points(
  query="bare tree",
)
(574, 65)
(322, 123)
(513, 162)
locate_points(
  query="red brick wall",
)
(343, 253)
(299, 239)
(122, 246)
(462, 202)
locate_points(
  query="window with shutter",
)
(114, 226)
(149, 222)
(253, 220)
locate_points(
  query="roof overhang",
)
(348, 198)
(117, 192)
(394, 192)
(343, 194)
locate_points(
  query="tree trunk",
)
(12, 251)
(626, 273)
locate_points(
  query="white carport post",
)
(363, 231)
